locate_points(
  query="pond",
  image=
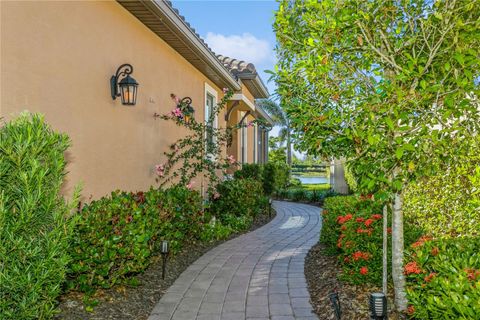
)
(313, 180)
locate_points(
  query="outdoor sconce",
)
(126, 88)
(164, 251)
(378, 306)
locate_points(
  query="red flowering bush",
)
(353, 230)
(443, 278)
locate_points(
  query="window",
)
(210, 122)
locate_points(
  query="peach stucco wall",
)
(57, 59)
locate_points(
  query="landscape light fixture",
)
(164, 251)
(335, 300)
(269, 208)
(378, 306)
(125, 88)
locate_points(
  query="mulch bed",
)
(321, 271)
(127, 302)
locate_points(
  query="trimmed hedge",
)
(34, 223)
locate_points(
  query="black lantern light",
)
(378, 306)
(126, 88)
(164, 251)
(270, 208)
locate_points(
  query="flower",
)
(376, 216)
(225, 90)
(389, 230)
(430, 277)
(421, 241)
(343, 228)
(249, 124)
(231, 159)
(411, 309)
(412, 267)
(128, 219)
(359, 220)
(368, 222)
(363, 270)
(359, 255)
(160, 169)
(472, 274)
(177, 112)
(216, 195)
(190, 185)
(342, 220)
(434, 251)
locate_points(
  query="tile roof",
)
(237, 66)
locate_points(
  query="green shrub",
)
(282, 175)
(268, 178)
(238, 197)
(352, 229)
(34, 224)
(117, 235)
(249, 171)
(443, 279)
(448, 204)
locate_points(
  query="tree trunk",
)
(397, 254)
(289, 148)
(385, 250)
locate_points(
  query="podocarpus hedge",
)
(34, 218)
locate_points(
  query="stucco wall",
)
(57, 59)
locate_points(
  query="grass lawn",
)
(311, 187)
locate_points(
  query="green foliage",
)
(447, 204)
(282, 175)
(352, 229)
(238, 197)
(35, 226)
(200, 151)
(117, 236)
(350, 179)
(443, 279)
(277, 153)
(271, 177)
(358, 81)
(249, 171)
(316, 193)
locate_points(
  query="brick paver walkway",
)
(258, 275)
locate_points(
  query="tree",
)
(386, 84)
(280, 118)
(276, 152)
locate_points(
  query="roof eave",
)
(255, 84)
(166, 15)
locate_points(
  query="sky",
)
(237, 29)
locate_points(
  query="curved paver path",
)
(258, 275)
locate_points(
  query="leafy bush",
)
(34, 223)
(352, 229)
(249, 171)
(238, 197)
(117, 235)
(282, 175)
(269, 178)
(443, 278)
(447, 205)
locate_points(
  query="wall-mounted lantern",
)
(126, 88)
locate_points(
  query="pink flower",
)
(175, 98)
(160, 168)
(190, 185)
(231, 159)
(216, 195)
(176, 148)
(177, 112)
(249, 124)
(225, 90)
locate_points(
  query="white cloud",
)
(243, 47)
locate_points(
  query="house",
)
(57, 58)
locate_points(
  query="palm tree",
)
(280, 119)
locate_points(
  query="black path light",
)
(378, 306)
(126, 88)
(335, 300)
(269, 208)
(164, 251)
